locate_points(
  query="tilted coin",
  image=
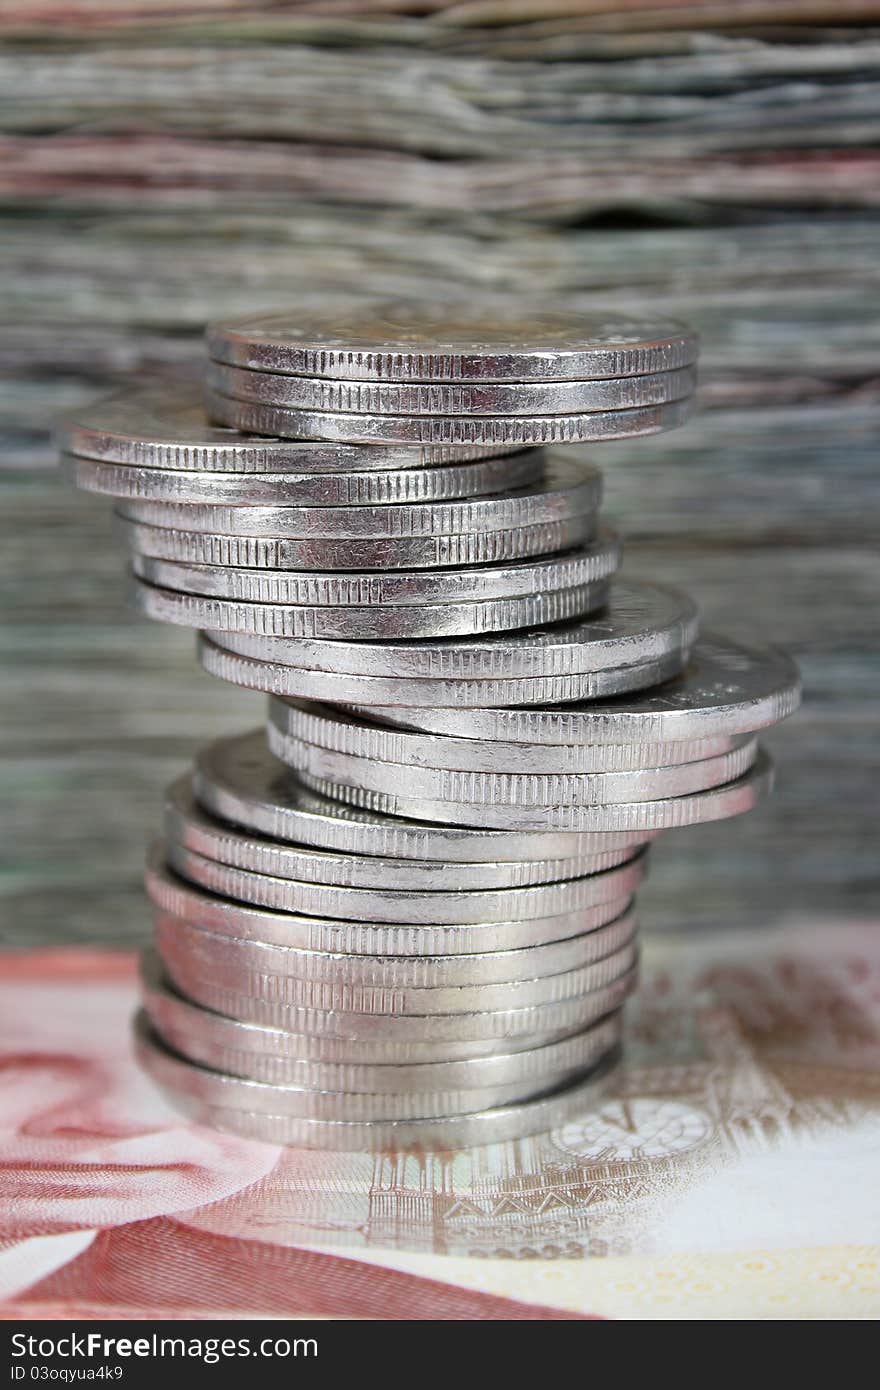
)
(325, 1048)
(410, 906)
(482, 431)
(269, 1054)
(278, 678)
(567, 489)
(414, 588)
(408, 342)
(239, 780)
(527, 791)
(185, 957)
(439, 482)
(245, 959)
(300, 623)
(166, 427)
(358, 735)
(639, 623)
(402, 553)
(224, 916)
(188, 825)
(330, 1104)
(730, 798)
(726, 688)
(211, 1098)
(358, 1011)
(301, 1103)
(449, 398)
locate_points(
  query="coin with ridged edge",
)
(527, 791)
(345, 732)
(567, 489)
(326, 1049)
(243, 958)
(410, 906)
(410, 342)
(269, 1054)
(239, 780)
(726, 688)
(166, 427)
(211, 1098)
(329, 1104)
(304, 1103)
(298, 624)
(406, 588)
(482, 431)
(411, 553)
(439, 483)
(268, 1005)
(188, 825)
(277, 678)
(729, 798)
(184, 957)
(468, 399)
(639, 623)
(225, 916)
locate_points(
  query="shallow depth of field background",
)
(162, 166)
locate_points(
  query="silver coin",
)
(404, 553)
(726, 688)
(526, 791)
(240, 781)
(392, 486)
(226, 917)
(639, 623)
(206, 1097)
(359, 736)
(243, 960)
(507, 398)
(492, 432)
(277, 678)
(326, 1049)
(166, 427)
(282, 1001)
(407, 342)
(409, 906)
(567, 489)
(731, 798)
(302, 1103)
(404, 588)
(299, 623)
(328, 1104)
(193, 829)
(224, 969)
(269, 1054)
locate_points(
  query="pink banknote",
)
(730, 1173)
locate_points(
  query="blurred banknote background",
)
(162, 165)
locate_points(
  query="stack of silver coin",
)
(402, 914)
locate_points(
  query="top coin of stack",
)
(402, 376)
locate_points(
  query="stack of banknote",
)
(402, 913)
